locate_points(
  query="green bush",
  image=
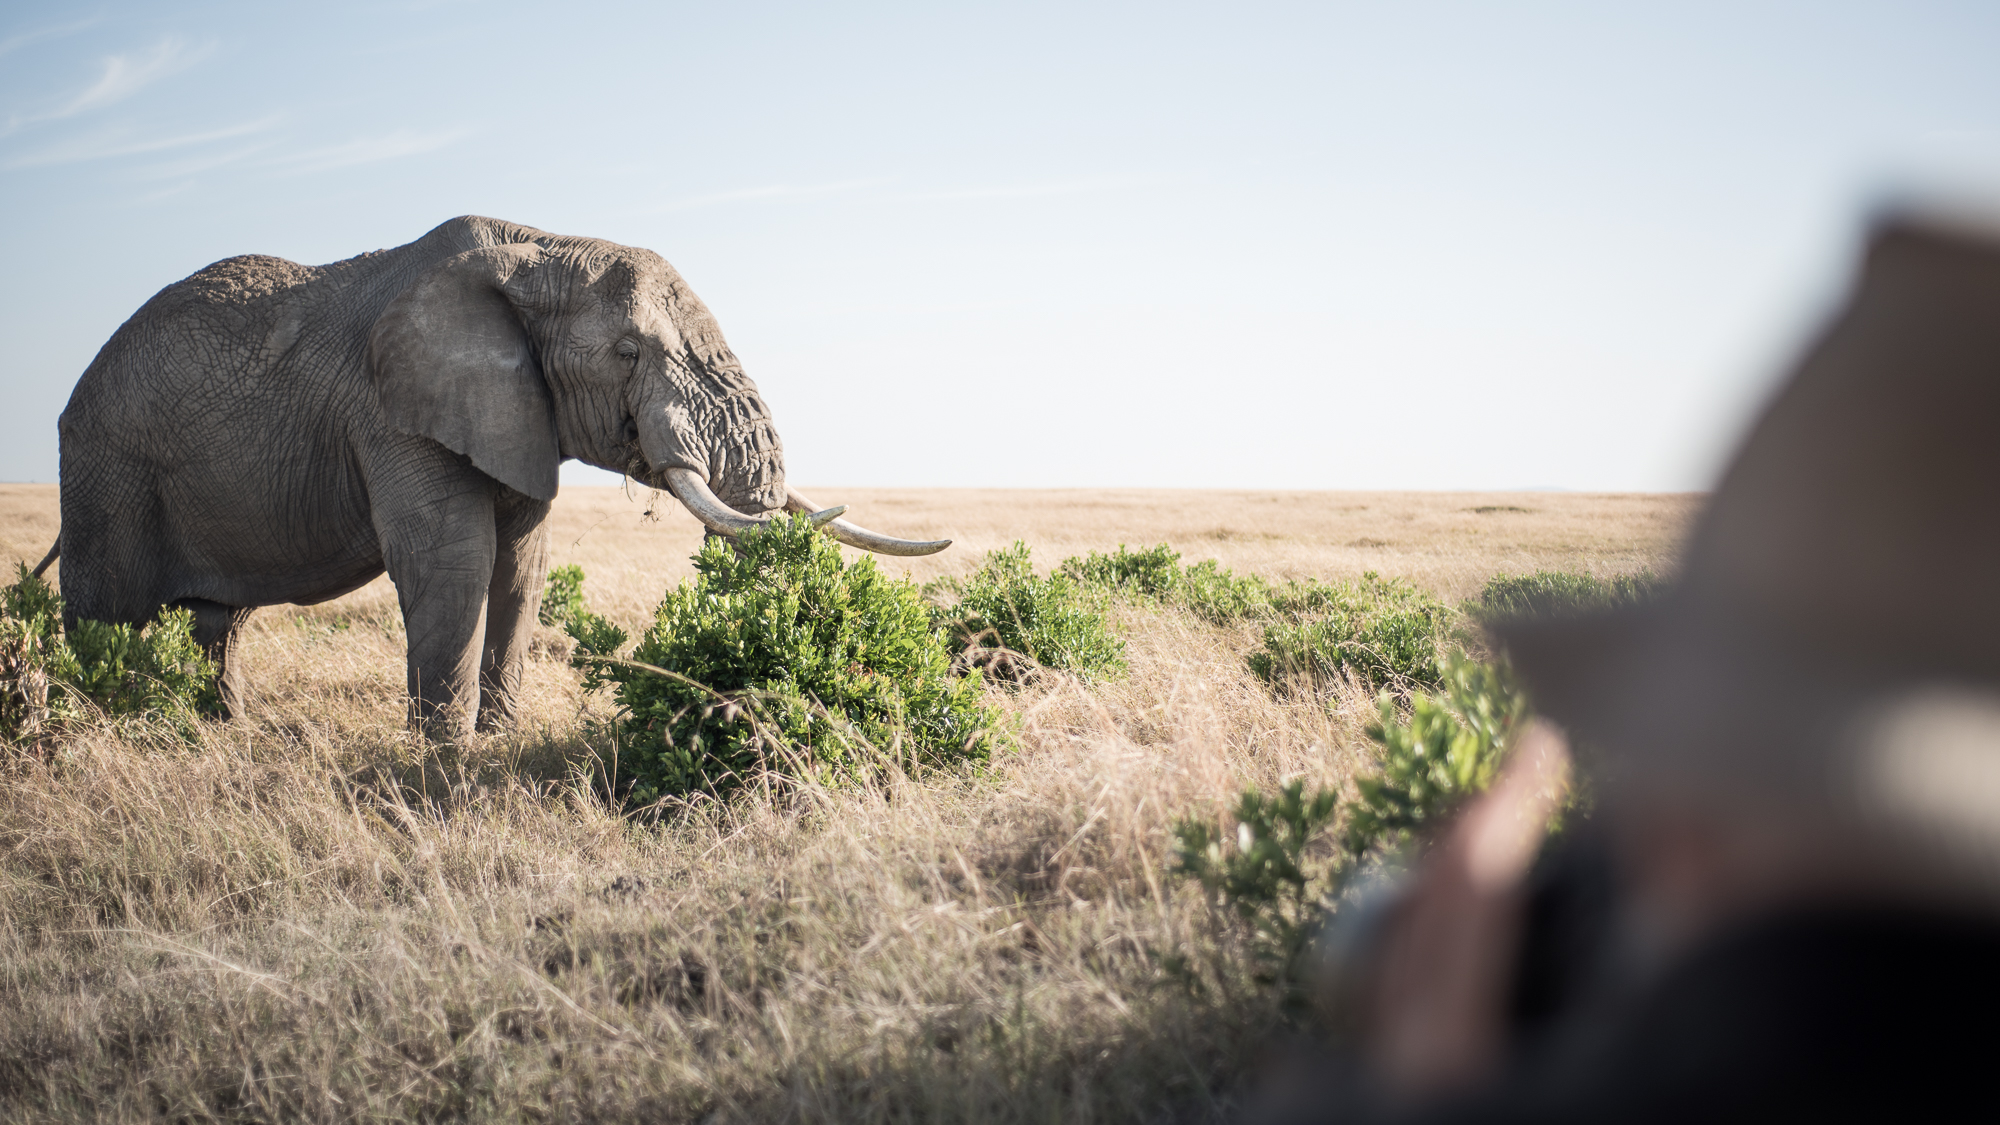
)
(1007, 619)
(49, 676)
(128, 670)
(1265, 874)
(562, 596)
(1555, 593)
(1444, 752)
(1216, 595)
(598, 641)
(1153, 573)
(778, 655)
(1265, 878)
(32, 602)
(1383, 631)
(1208, 589)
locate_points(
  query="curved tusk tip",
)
(827, 515)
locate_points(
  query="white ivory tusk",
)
(694, 494)
(855, 536)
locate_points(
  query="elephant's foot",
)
(500, 693)
(439, 713)
(440, 724)
(493, 720)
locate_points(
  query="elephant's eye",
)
(628, 349)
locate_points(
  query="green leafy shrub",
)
(32, 602)
(1445, 751)
(1216, 595)
(47, 675)
(598, 643)
(1266, 875)
(1555, 593)
(128, 670)
(779, 655)
(1265, 878)
(1208, 589)
(30, 642)
(1006, 618)
(562, 596)
(1153, 573)
(1383, 631)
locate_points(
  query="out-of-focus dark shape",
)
(1849, 554)
(1787, 903)
(1568, 932)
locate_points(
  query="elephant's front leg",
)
(438, 545)
(520, 565)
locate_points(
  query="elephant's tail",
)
(54, 551)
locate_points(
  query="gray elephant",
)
(267, 432)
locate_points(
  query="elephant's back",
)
(223, 299)
(242, 280)
(206, 429)
(217, 324)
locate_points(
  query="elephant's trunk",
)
(728, 440)
(751, 465)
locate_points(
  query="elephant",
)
(266, 432)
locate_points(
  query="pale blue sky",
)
(1413, 245)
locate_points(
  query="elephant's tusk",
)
(863, 538)
(694, 493)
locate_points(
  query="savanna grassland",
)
(309, 914)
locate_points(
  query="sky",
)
(1332, 246)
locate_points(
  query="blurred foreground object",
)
(1436, 1005)
(1795, 756)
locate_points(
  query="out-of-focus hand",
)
(1436, 1010)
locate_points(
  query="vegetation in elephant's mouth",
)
(309, 913)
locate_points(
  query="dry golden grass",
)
(309, 915)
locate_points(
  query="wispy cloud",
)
(104, 146)
(125, 75)
(362, 150)
(1020, 191)
(365, 150)
(792, 191)
(178, 189)
(772, 191)
(120, 77)
(15, 42)
(191, 165)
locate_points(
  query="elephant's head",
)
(526, 352)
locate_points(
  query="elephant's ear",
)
(452, 361)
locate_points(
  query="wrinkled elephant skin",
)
(267, 432)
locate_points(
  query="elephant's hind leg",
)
(520, 563)
(217, 629)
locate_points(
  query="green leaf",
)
(1007, 619)
(780, 655)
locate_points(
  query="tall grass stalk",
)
(307, 915)
(313, 916)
